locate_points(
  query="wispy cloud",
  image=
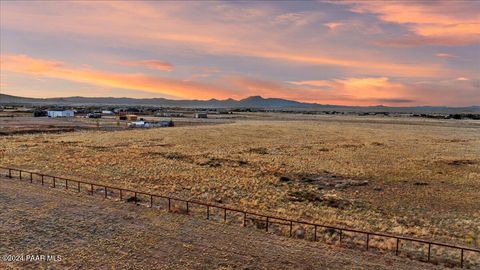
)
(333, 25)
(152, 64)
(368, 90)
(133, 81)
(141, 25)
(347, 91)
(297, 18)
(382, 90)
(444, 55)
(443, 22)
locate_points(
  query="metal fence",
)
(266, 222)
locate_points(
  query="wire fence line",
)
(266, 222)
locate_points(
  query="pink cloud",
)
(445, 55)
(152, 64)
(384, 91)
(444, 22)
(133, 81)
(347, 91)
(142, 24)
(333, 25)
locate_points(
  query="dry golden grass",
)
(423, 179)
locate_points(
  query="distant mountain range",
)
(250, 102)
(253, 102)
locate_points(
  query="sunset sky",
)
(404, 53)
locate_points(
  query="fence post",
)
(135, 196)
(42, 180)
(121, 195)
(9, 173)
(187, 207)
(341, 236)
(91, 189)
(461, 258)
(66, 183)
(291, 228)
(169, 203)
(266, 225)
(208, 212)
(396, 249)
(78, 186)
(368, 239)
(105, 190)
(20, 175)
(151, 201)
(244, 219)
(224, 215)
(429, 251)
(53, 182)
(315, 233)
(31, 178)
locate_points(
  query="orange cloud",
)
(348, 91)
(153, 64)
(352, 91)
(442, 22)
(333, 25)
(364, 91)
(381, 90)
(54, 69)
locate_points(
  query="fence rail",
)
(264, 220)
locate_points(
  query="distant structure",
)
(132, 117)
(127, 117)
(39, 113)
(223, 111)
(200, 115)
(107, 112)
(151, 124)
(66, 113)
(94, 115)
(172, 114)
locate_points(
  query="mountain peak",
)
(253, 98)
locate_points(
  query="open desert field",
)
(408, 177)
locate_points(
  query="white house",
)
(144, 124)
(200, 115)
(66, 113)
(137, 124)
(171, 114)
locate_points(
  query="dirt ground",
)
(93, 233)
